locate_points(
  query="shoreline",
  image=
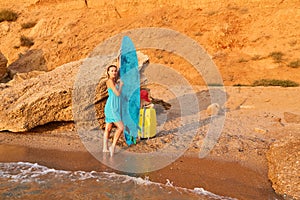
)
(223, 178)
(237, 166)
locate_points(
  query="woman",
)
(112, 109)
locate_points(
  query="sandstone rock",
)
(213, 109)
(37, 101)
(284, 166)
(19, 77)
(32, 99)
(41, 29)
(143, 61)
(246, 107)
(260, 130)
(4, 27)
(3, 86)
(32, 60)
(291, 117)
(3, 63)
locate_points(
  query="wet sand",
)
(236, 167)
(222, 178)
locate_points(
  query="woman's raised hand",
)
(121, 83)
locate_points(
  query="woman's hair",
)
(110, 66)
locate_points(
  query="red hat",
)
(144, 95)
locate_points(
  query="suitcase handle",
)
(143, 121)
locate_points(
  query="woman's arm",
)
(110, 84)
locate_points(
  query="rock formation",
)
(291, 117)
(284, 166)
(3, 63)
(213, 109)
(34, 98)
(32, 60)
(37, 101)
(19, 77)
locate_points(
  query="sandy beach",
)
(236, 166)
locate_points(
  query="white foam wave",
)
(207, 193)
(28, 172)
(168, 184)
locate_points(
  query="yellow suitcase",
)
(147, 123)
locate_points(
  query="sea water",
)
(23, 180)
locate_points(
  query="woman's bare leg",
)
(120, 129)
(105, 137)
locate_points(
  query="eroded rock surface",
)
(3, 63)
(284, 166)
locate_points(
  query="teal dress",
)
(112, 107)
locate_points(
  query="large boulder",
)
(284, 166)
(33, 99)
(37, 101)
(32, 60)
(143, 63)
(3, 63)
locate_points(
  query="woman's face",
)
(112, 72)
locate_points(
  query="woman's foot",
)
(105, 150)
(111, 151)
